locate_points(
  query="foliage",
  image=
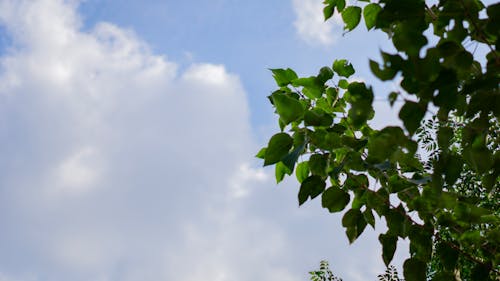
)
(391, 274)
(467, 184)
(447, 204)
(324, 273)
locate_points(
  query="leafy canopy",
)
(447, 205)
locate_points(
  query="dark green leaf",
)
(479, 159)
(480, 272)
(420, 241)
(311, 188)
(369, 218)
(447, 255)
(290, 159)
(414, 270)
(318, 164)
(354, 222)
(317, 117)
(464, 59)
(393, 97)
(389, 243)
(411, 114)
(278, 147)
(409, 39)
(343, 68)
(444, 137)
(325, 74)
(288, 108)
(360, 113)
(396, 222)
(335, 199)
(453, 168)
(383, 74)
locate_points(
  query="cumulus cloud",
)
(310, 24)
(116, 166)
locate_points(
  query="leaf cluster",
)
(323, 274)
(447, 204)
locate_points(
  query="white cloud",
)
(79, 171)
(310, 24)
(239, 182)
(108, 152)
(117, 166)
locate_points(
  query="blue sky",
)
(127, 135)
(248, 37)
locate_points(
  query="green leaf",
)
(311, 188)
(313, 87)
(443, 276)
(325, 74)
(412, 114)
(351, 16)
(396, 222)
(328, 11)
(409, 38)
(343, 68)
(383, 74)
(331, 94)
(304, 81)
(393, 97)
(302, 171)
(354, 222)
(480, 273)
(414, 270)
(280, 170)
(290, 159)
(262, 153)
(369, 218)
(343, 84)
(489, 181)
(444, 137)
(464, 60)
(453, 168)
(288, 108)
(318, 164)
(479, 159)
(317, 117)
(447, 255)
(278, 147)
(378, 201)
(340, 5)
(335, 199)
(361, 99)
(420, 241)
(389, 243)
(283, 77)
(370, 13)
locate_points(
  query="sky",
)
(128, 131)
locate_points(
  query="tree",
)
(447, 204)
(467, 184)
(325, 274)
